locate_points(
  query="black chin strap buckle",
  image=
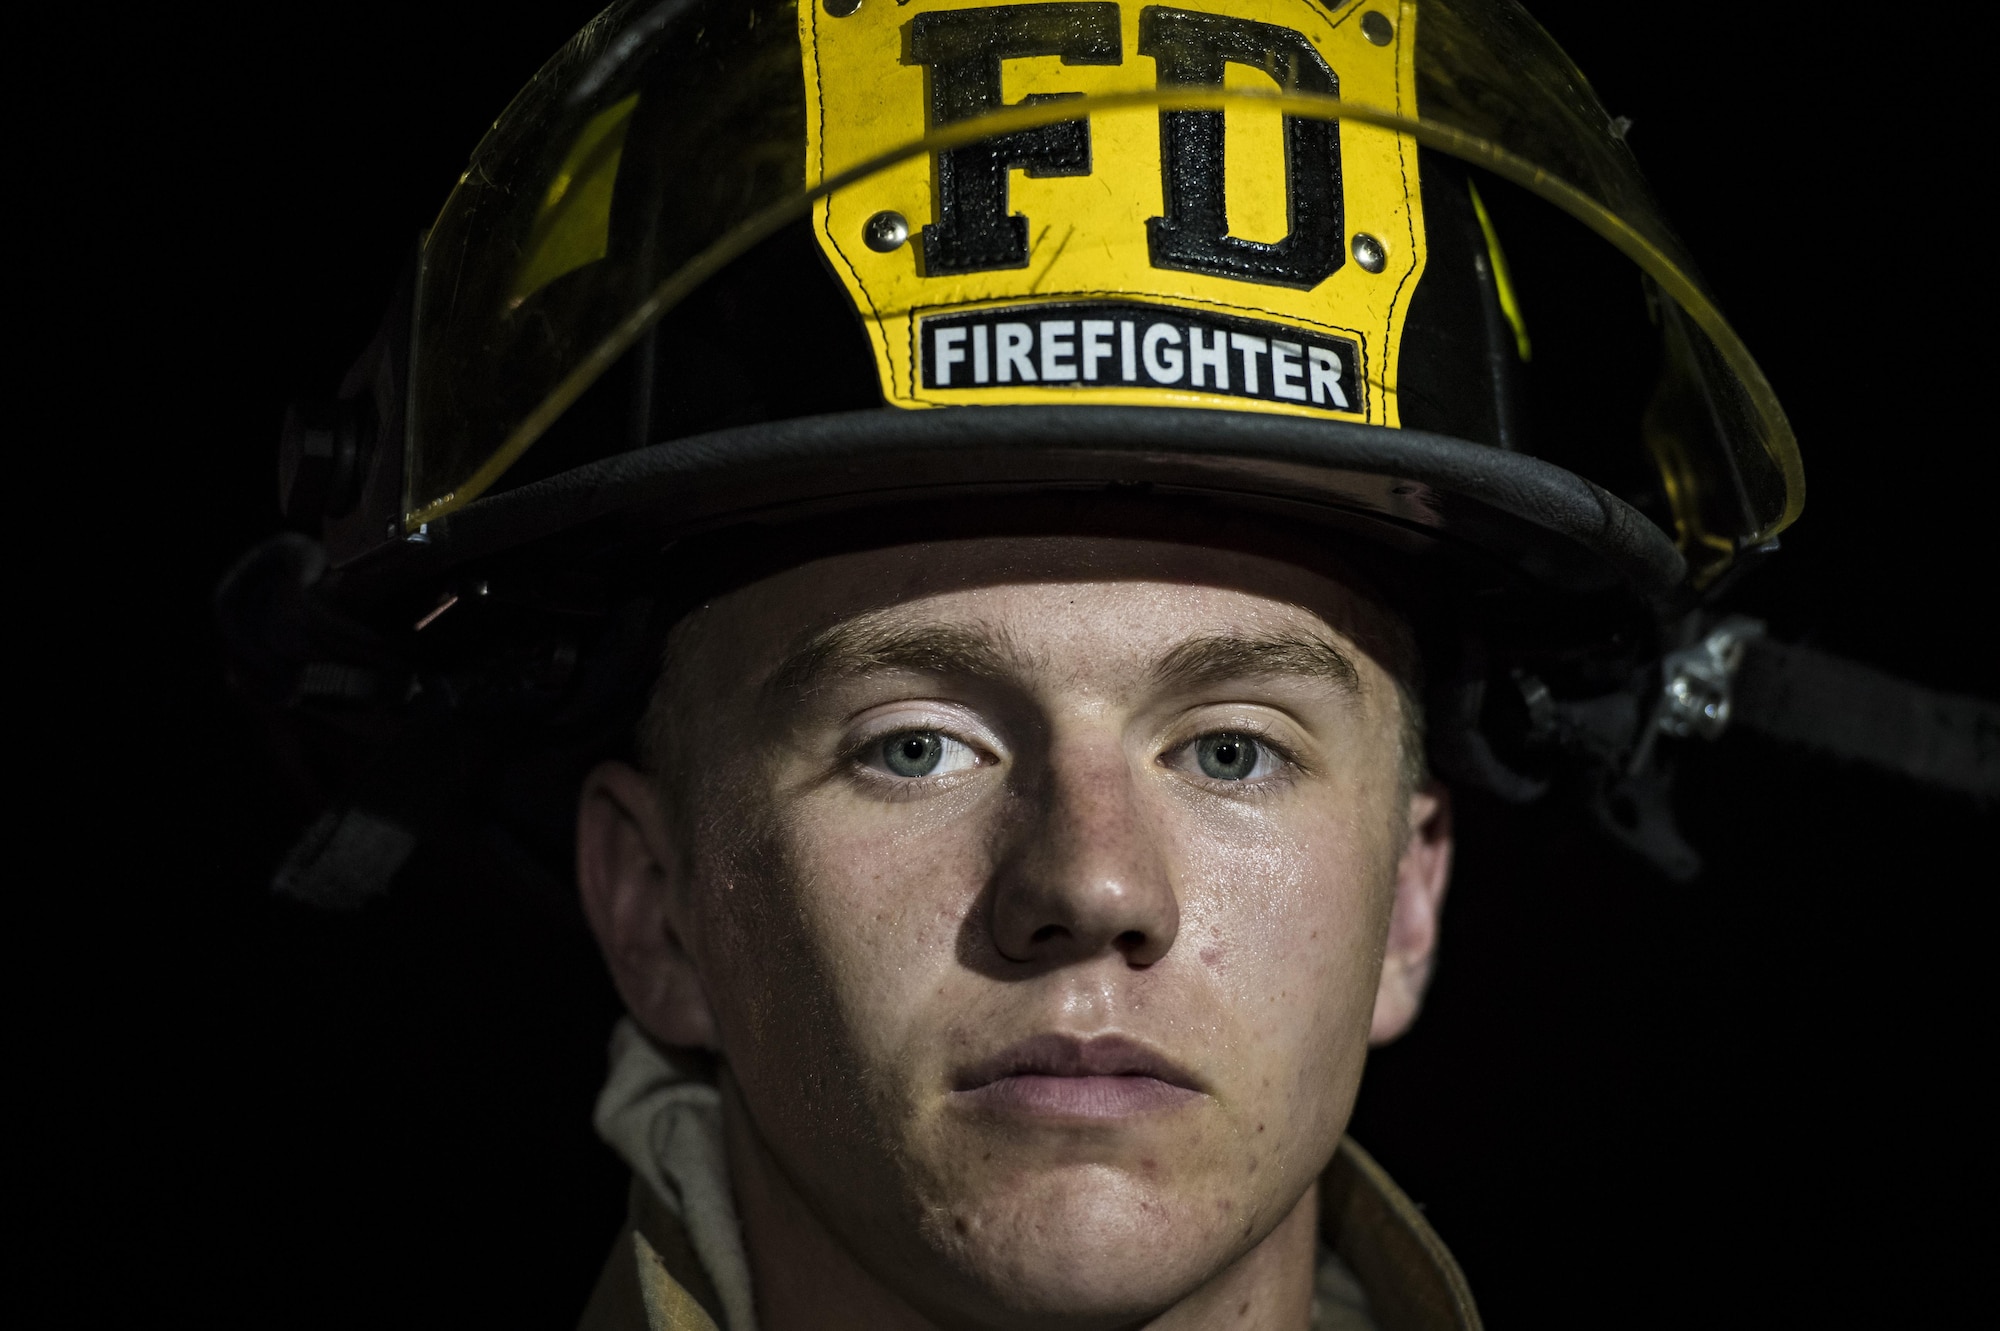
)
(1737, 676)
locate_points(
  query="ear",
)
(633, 896)
(1421, 877)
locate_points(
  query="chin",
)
(1092, 1244)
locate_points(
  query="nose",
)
(1084, 874)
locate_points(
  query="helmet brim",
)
(1425, 495)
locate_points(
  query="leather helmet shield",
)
(1236, 258)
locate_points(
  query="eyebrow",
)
(1215, 660)
(861, 647)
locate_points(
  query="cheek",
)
(1284, 908)
(855, 918)
(892, 881)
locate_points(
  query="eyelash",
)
(858, 755)
(1287, 758)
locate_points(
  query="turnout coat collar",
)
(1383, 1268)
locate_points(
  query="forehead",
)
(1088, 599)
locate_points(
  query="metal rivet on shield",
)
(1368, 252)
(842, 8)
(1374, 27)
(885, 231)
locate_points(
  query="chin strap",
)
(1517, 740)
(1737, 675)
(1852, 711)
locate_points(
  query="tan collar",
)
(1411, 1280)
(653, 1280)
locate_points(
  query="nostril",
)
(1046, 932)
(1130, 941)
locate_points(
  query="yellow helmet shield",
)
(1238, 258)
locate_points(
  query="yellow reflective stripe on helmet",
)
(573, 227)
(1503, 281)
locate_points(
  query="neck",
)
(805, 1279)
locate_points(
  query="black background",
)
(1749, 1100)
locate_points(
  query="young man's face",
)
(1037, 894)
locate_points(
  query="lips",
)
(1062, 1076)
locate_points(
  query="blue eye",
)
(1228, 757)
(913, 753)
